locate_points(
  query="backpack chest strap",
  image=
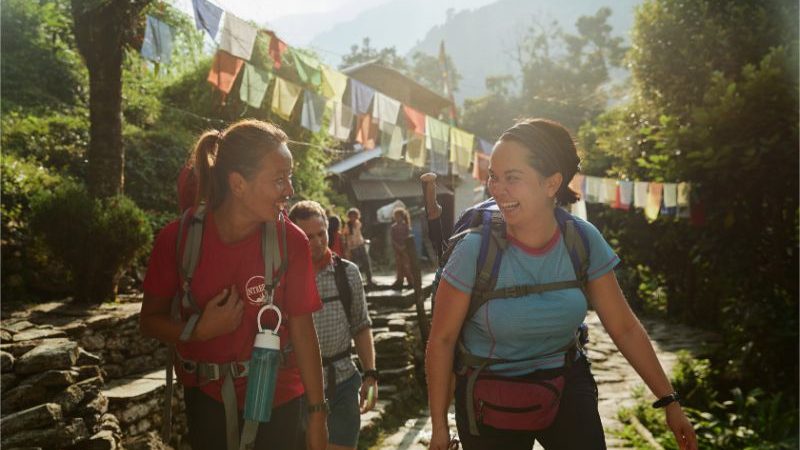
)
(481, 297)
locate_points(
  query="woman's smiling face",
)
(521, 192)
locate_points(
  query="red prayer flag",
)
(224, 70)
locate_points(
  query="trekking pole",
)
(416, 283)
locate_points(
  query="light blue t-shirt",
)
(534, 325)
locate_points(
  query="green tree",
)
(427, 70)
(365, 53)
(489, 115)
(564, 77)
(725, 119)
(38, 64)
(102, 29)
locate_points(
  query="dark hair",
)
(551, 149)
(306, 209)
(239, 148)
(334, 224)
(403, 212)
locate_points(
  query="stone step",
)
(386, 298)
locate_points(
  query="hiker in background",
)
(344, 319)
(521, 376)
(433, 212)
(400, 231)
(245, 180)
(356, 245)
(335, 234)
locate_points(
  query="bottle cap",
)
(268, 339)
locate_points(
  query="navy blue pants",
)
(577, 424)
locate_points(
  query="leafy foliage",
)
(70, 221)
(40, 68)
(26, 267)
(56, 141)
(736, 141)
(736, 420)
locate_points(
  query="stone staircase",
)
(616, 380)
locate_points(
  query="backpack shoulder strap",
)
(577, 245)
(493, 243)
(274, 252)
(189, 249)
(343, 286)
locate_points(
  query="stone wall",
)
(100, 384)
(128, 372)
(52, 396)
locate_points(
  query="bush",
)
(733, 420)
(153, 159)
(25, 264)
(56, 141)
(95, 238)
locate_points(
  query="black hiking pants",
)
(286, 429)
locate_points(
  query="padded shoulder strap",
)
(190, 255)
(577, 245)
(493, 244)
(343, 286)
(274, 252)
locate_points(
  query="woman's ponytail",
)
(205, 155)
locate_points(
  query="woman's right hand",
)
(222, 315)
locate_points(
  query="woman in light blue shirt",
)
(537, 387)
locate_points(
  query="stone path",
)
(616, 380)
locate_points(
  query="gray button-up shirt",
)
(335, 334)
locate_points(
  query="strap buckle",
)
(510, 292)
(208, 372)
(240, 369)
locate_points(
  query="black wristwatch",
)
(319, 407)
(372, 373)
(666, 400)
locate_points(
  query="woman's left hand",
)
(681, 427)
(317, 432)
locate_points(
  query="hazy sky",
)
(265, 11)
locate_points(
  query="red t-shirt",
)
(221, 265)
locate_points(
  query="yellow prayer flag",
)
(334, 83)
(284, 97)
(461, 144)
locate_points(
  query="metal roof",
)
(398, 86)
(354, 161)
(365, 190)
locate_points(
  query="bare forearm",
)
(635, 345)
(365, 348)
(439, 366)
(309, 361)
(163, 328)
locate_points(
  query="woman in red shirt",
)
(244, 177)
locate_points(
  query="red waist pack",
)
(517, 403)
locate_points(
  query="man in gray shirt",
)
(343, 319)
